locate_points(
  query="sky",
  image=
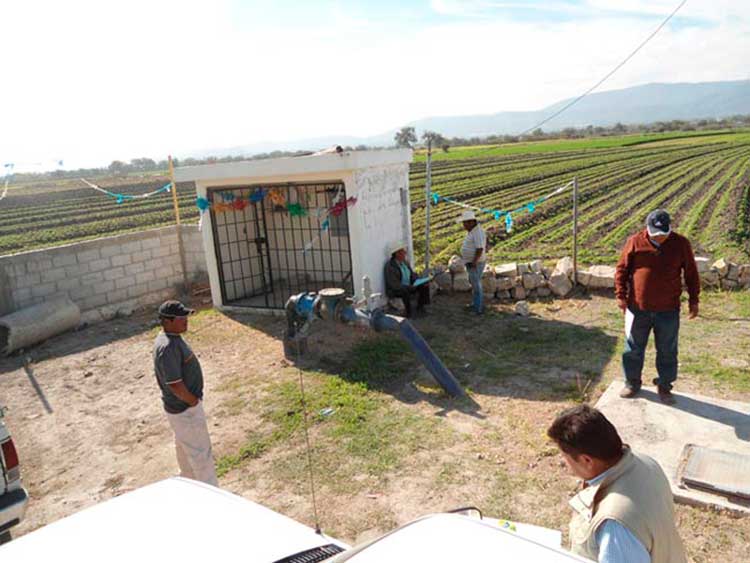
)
(94, 81)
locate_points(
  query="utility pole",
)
(178, 228)
(575, 231)
(428, 201)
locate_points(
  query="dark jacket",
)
(393, 277)
(650, 278)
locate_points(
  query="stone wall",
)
(104, 276)
(519, 281)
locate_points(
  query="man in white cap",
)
(180, 378)
(473, 255)
(400, 278)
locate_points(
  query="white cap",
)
(395, 247)
(467, 215)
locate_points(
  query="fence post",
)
(428, 198)
(575, 231)
(180, 245)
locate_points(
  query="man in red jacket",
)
(648, 285)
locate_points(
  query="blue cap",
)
(658, 223)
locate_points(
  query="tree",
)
(117, 167)
(405, 137)
(435, 139)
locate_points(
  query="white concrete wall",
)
(103, 276)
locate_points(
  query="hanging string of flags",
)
(499, 214)
(120, 198)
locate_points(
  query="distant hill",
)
(639, 104)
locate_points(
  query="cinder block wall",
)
(103, 276)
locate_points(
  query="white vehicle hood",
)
(173, 520)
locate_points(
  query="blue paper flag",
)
(326, 224)
(435, 199)
(508, 223)
(202, 203)
(497, 215)
(120, 199)
(257, 195)
(531, 207)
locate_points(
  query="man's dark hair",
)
(585, 430)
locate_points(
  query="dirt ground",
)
(86, 416)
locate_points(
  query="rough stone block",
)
(101, 264)
(456, 265)
(583, 278)
(503, 295)
(726, 283)
(565, 266)
(518, 293)
(744, 275)
(543, 292)
(91, 317)
(602, 277)
(532, 281)
(505, 284)
(122, 260)
(703, 264)
(509, 270)
(88, 255)
(536, 266)
(461, 282)
(523, 269)
(733, 273)
(64, 260)
(114, 274)
(560, 284)
(710, 278)
(444, 281)
(522, 308)
(53, 275)
(489, 284)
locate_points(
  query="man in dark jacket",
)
(399, 280)
(648, 286)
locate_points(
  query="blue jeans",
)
(475, 279)
(638, 325)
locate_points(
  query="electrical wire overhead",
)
(608, 75)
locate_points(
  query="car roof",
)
(447, 538)
(172, 520)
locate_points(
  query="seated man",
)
(399, 280)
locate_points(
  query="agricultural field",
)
(703, 179)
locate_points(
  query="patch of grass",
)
(253, 449)
(706, 366)
(377, 361)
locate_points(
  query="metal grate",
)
(715, 471)
(261, 249)
(313, 555)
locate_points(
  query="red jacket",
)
(650, 278)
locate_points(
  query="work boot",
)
(628, 392)
(665, 394)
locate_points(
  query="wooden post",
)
(180, 245)
(575, 231)
(428, 198)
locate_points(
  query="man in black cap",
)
(648, 286)
(180, 379)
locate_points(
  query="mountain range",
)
(647, 103)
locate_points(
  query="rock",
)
(547, 272)
(91, 317)
(565, 266)
(461, 282)
(726, 283)
(518, 282)
(703, 264)
(456, 265)
(509, 270)
(601, 277)
(560, 284)
(744, 275)
(710, 278)
(543, 292)
(444, 281)
(518, 293)
(523, 269)
(531, 293)
(583, 278)
(489, 283)
(505, 284)
(522, 308)
(733, 273)
(536, 266)
(721, 266)
(503, 295)
(532, 281)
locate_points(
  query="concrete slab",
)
(662, 431)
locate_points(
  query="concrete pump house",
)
(274, 228)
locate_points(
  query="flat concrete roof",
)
(662, 431)
(293, 165)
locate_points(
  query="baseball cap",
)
(658, 223)
(172, 308)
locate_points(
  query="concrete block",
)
(117, 296)
(155, 264)
(121, 260)
(16, 270)
(127, 281)
(29, 280)
(104, 287)
(68, 284)
(114, 274)
(44, 290)
(158, 285)
(133, 269)
(137, 290)
(92, 278)
(64, 260)
(38, 265)
(149, 243)
(145, 277)
(79, 293)
(101, 264)
(160, 252)
(77, 270)
(88, 255)
(53, 275)
(21, 294)
(93, 301)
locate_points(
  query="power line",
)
(609, 74)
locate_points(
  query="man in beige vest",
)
(625, 512)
